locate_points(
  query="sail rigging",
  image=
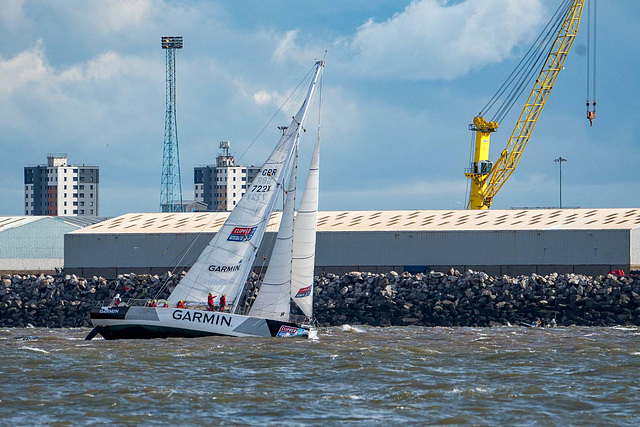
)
(304, 239)
(273, 300)
(225, 263)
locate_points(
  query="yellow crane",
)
(486, 177)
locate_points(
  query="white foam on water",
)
(34, 349)
(349, 328)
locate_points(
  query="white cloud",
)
(22, 69)
(432, 39)
(262, 97)
(429, 39)
(286, 47)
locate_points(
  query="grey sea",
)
(351, 375)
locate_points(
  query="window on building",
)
(75, 178)
(75, 171)
(91, 210)
(90, 203)
(65, 178)
(91, 187)
(82, 195)
(234, 194)
(65, 195)
(234, 178)
(90, 194)
(244, 186)
(81, 211)
(26, 204)
(75, 204)
(75, 187)
(81, 203)
(65, 211)
(81, 187)
(91, 178)
(75, 195)
(244, 178)
(65, 203)
(65, 186)
(26, 212)
(75, 211)
(65, 171)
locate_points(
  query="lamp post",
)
(559, 160)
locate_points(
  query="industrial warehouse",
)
(511, 242)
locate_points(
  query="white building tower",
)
(60, 189)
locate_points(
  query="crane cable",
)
(591, 62)
(531, 62)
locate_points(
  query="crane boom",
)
(487, 179)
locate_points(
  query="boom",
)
(487, 178)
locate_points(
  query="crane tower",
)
(171, 186)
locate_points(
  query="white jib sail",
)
(223, 266)
(304, 239)
(274, 299)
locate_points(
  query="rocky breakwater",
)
(433, 299)
(54, 302)
(476, 299)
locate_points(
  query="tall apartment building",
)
(60, 189)
(222, 185)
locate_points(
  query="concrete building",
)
(60, 189)
(35, 244)
(221, 186)
(586, 241)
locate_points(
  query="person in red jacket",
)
(180, 304)
(155, 303)
(210, 301)
(223, 301)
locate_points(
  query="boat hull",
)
(153, 322)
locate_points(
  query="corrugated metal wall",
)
(35, 246)
(496, 252)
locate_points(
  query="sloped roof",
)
(81, 221)
(8, 222)
(419, 220)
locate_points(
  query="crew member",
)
(116, 300)
(155, 303)
(166, 304)
(223, 301)
(210, 301)
(180, 304)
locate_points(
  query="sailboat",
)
(224, 265)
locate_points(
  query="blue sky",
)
(403, 80)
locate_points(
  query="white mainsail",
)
(274, 299)
(304, 239)
(225, 263)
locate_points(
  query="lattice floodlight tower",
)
(171, 189)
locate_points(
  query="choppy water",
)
(350, 376)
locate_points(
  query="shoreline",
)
(385, 299)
